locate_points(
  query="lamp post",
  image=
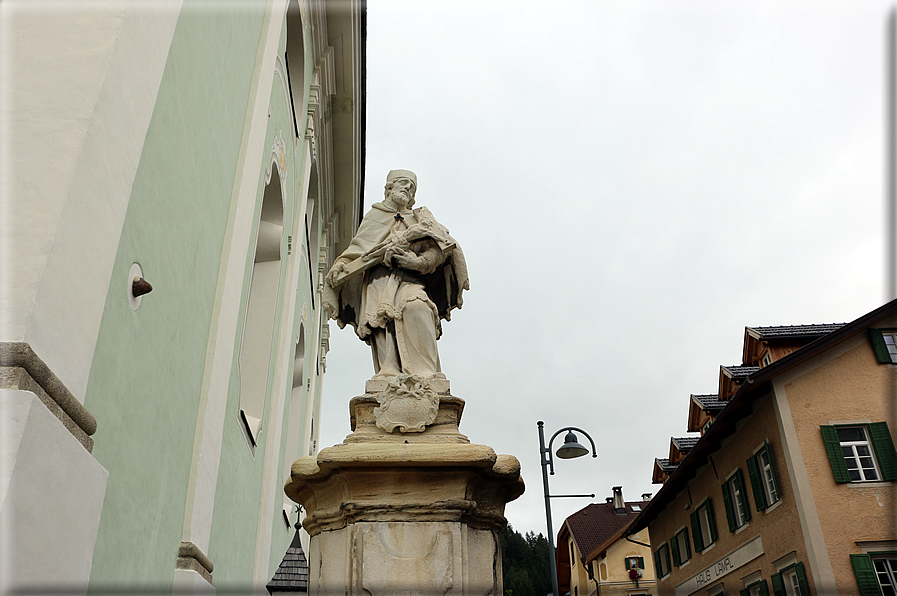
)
(569, 450)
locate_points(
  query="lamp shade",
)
(571, 447)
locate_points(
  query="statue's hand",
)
(409, 260)
(338, 268)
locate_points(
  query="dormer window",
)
(766, 360)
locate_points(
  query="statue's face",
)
(401, 192)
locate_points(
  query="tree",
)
(525, 564)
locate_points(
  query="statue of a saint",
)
(400, 276)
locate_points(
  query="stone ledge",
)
(20, 355)
(190, 557)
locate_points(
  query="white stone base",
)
(413, 514)
(51, 497)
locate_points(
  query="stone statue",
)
(400, 276)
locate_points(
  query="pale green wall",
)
(236, 513)
(145, 381)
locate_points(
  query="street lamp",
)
(569, 450)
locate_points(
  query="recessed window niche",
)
(261, 311)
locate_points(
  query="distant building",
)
(789, 489)
(593, 557)
(217, 151)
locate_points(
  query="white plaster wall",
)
(51, 497)
(79, 87)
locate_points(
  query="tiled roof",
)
(665, 466)
(292, 574)
(684, 444)
(794, 331)
(592, 525)
(740, 373)
(709, 402)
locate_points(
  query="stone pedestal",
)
(405, 513)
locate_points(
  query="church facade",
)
(177, 178)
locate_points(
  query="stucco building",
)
(789, 487)
(593, 556)
(215, 150)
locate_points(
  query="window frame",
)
(738, 511)
(661, 560)
(881, 447)
(762, 589)
(763, 478)
(884, 344)
(867, 574)
(790, 581)
(702, 514)
(679, 539)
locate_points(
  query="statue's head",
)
(401, 185)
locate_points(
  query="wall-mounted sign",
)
(738, 557)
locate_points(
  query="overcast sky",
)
(632, 183)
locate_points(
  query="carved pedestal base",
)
(405, 514)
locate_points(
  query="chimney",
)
(619, 505)
(609, 499)
(646, 496)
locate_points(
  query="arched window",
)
(261, 311)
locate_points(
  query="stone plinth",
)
(414, 513)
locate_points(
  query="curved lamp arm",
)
(550, 460)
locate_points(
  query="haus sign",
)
(738, 557)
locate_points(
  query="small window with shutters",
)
(762, 474)
(860, 452)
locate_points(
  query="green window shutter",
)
(696, 532)
(764, 589)
(730, 510)
(778, 586)
(739, 484)
(687, 546)
(674, 546)
(802, 580)
(744, 592)
(883, 445)
(712, 517)
(833, 447)
(865, 574)
(666, 555)
(772, 469)
(641, 562)
(657, 570)
(626, 563)
(879, 347)
(756, 484)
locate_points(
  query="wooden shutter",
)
(729, 506)
(764, 589)
(687, 546)
(641, 562)
(657, 568)
(802, 580)
(778, 586)
(833, 448)
(739, 484)
(697, 536)
(674, 546)
(864, 571)
(879, 347)
(883, 445)
(756, 483)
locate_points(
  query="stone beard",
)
(400, 276)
